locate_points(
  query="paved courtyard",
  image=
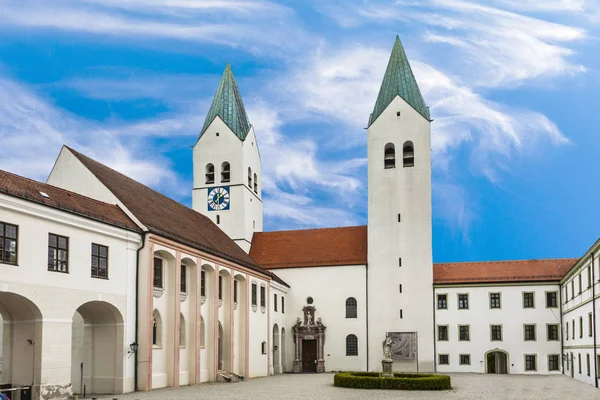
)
(466, 386)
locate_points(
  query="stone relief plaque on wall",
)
(404, 345)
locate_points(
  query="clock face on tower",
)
(218, 198)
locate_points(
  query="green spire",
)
(228, 105)
(399, 81)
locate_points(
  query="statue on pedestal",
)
(387, 347)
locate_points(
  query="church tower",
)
(227, 170)
(400, 269)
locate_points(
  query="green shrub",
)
(373, 380)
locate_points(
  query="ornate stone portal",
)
(309, 338)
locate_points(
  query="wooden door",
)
(309, 356)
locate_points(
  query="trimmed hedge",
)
(374, 380)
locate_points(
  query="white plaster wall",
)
(575, 305)
(259, 331)
(329, 287)
(405, 191)
(278, 318)
(512, 316)
(59, 295)
(245, 213)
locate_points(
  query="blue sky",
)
(512, 86)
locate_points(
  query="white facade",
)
(54, 321)
(217, 147)
(400, 234)
(519, 305)
(580, 297)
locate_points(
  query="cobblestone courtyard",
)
(320, 386)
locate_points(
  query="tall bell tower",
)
(227, 168)
(400, 273)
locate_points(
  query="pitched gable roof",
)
(399, 81)
(64, 200)
(348, 246)
(228, 105)
(168, 218)
(310, 247)
(549, 270)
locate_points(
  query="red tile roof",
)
(168, 218)
(310, 247)
(348, 246)
(73, 203)
(548, 270)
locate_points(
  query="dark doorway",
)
(220, 348)
(309, 356)
(497, 363)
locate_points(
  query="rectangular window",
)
(567, 326)
(579, 360)
(463, 332)
(263, 296)
(579, 278)
(573, 289)
(282, 305)
(254, 297)
(444, 359)
(589, 276)
(553, 362)
(573, 326)
(183, 285)
(203, 283)
(58, 253)
(463, 301)
(551, 299)
(235, 291)
(528, 301)
(465, 359)
(580, 327)
(8, 243)
(552, 331)
(442, 332)
(566, 294)
(400, 288)
(275, 301)
(442, 301)
(530, 362)
(494, 300)
(220, 287)
(158, 272)
(529, 332)
(587, 360)
(496, 333)
(99, 261)
(590, 324)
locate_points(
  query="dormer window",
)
(408, 155)
(210, 173)
(389, 156)
(225, 172)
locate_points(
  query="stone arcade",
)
(101, 272)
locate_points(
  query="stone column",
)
(52, 355)
(231, 324)
(176, 316)
(198, 331)
(216, 322)
(247, 313)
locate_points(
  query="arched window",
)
(156, 328)
(408, 154)
(225, 172)
(202, 332)
(249, 177)
(255, 184)
(389, 156)
(181, 331)
(210, 173)
(351, 306)
(351, 345)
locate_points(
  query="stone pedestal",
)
(386, 367)
(320, 366)
(297, 366)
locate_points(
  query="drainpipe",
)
(594, 320)
(367, 313)
(562, 329)
(137, 300)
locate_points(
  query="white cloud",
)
(255, 26)
(34, 130)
